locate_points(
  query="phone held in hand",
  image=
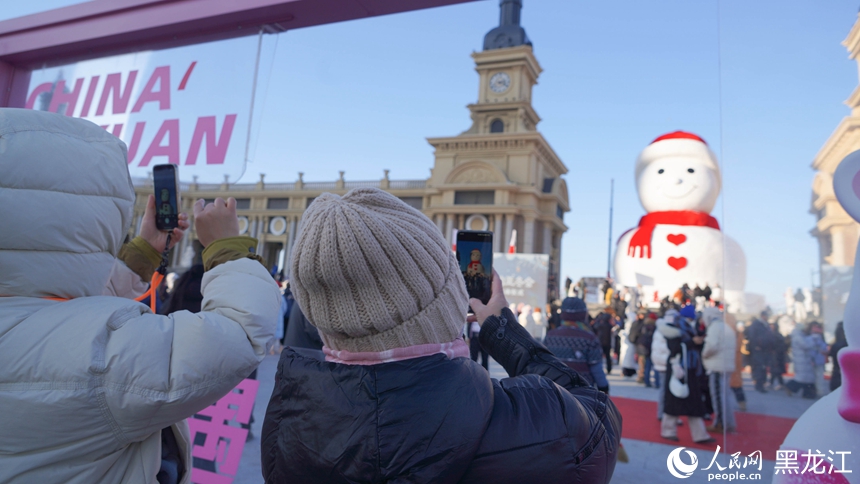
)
(166, 181)
(475, 255)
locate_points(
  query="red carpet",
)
(755, 431)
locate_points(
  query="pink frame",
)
(108, 27)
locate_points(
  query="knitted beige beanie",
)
(373, 274)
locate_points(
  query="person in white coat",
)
(94, 387)
(718, 356)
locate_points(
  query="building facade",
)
(500, 174)
(836, 231)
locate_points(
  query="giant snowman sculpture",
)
(678, 241)
(823, 446)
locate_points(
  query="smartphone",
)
(166, 181)
(475, 255)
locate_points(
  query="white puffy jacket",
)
(87, 385)
(718, 354)
(659, 348)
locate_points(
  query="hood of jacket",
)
(66, 201)
(666, 325)
(712, 315)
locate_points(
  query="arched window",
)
(497, 126)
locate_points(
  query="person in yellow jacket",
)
(94, 387)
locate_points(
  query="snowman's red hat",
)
(678, 144)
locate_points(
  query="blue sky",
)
(763, 82)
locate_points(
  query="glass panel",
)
(278, 203)
(414, 202)
(474, 197)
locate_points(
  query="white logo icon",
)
(677, 467)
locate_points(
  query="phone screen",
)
(166, 196)
(475, 255)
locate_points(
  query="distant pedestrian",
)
(475, 349)
(717, 295)
(643, 350)
(718, 355)
(633, 333)
(819, 356)
(576, 345)
(803, 350)
(779, 359)
(760, 346)
(736, 382)
(838, 344)
(604, 327)
(660, 358)
(685, 365)
(553, 310)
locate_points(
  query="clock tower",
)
(507, 71)
(501, 174)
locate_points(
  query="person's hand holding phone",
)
(157, 238)
(496, 303)
(216, 220)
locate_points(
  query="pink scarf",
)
(455, 349)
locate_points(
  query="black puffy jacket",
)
(440, 420)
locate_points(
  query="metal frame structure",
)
(102, 28)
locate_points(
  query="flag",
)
(512, 249)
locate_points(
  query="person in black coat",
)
(603, 326)
(393, 397)
(685, 339)
(186, 293)
(760, 344)
(779, 357)
(838, 344)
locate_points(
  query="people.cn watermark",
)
(717, 472)
(787, 462)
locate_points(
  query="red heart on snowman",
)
(677, 263)
(676, 239)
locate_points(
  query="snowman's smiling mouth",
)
(678, 193)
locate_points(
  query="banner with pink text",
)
(187, 106)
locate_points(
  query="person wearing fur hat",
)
(685, 396)
(393, 395)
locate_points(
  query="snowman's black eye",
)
(690, 170)
(660, 171)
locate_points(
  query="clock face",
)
(500, 82)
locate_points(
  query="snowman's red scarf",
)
(642, 237)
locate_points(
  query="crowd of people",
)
(691, 340)
(96, 386)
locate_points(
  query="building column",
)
(499, 233)
(837, 245)
(547, 238)
(261, 235)
(506, 237)
(449, 227)
(438, 219)
(529, 234)
(291, 238)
